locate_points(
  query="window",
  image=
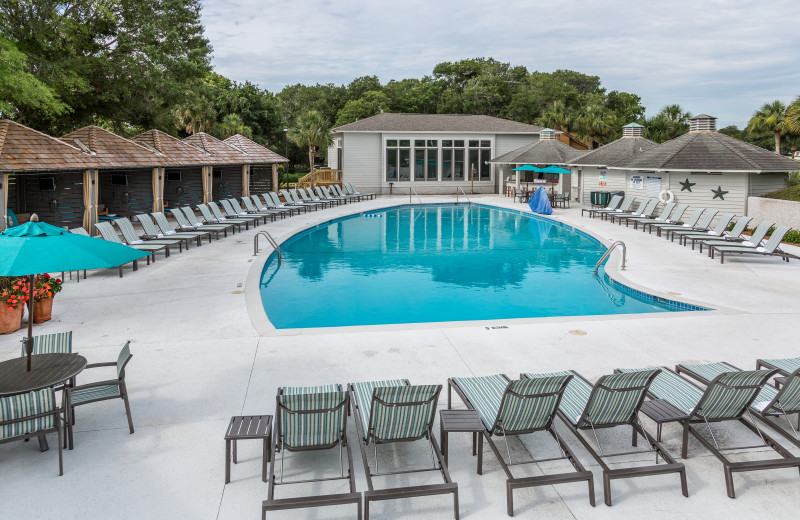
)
(47, 184)
(447, 164)
(174, 175)
(391, 164)
(458, 163)
(119, 179)
(398, 160)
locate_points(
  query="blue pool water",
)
(412, 264)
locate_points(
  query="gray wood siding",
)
(260, 179)
(66, 212)
(504, 143)
(229, 182)
(701, 195)
(767, 183)
(139, 192)
(615, 180)
(191, 185)
(362, 158)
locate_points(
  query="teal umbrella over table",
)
(37, 247)
(554, 169)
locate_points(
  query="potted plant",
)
(45, 288)
(13, 296)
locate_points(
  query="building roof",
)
(544, 151)
(708, 151)
(255, 151)
(614, 151)
(26, 149)
(110, 150)
(175, 151)
(452, 123)
(222, 153)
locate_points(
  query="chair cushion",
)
(24, 405)
(81, 395)
(309, 430)
(363, 397)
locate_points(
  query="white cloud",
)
(719, 57)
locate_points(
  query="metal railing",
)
(459, 188)
(411, 191)
(608, 253)
(271, 241)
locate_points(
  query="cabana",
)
(263, 169)
(229, 173)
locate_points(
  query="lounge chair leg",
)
(633, 440)
(685, 446)
(228, 462)
(234, 452)
(509, 499)
(684, 486)
(591, 492)
(455, 504)
(60, 455)
(607, 488)
(729, 482)
(366, 508)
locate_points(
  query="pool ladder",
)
(271, 241)
(411, 191)
(459, 188)
(608, 253)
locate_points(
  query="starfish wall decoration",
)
(718, 193)
(686, 185)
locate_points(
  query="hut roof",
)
(614, 151)
(255, 151)
(544, 151)
(451, 123)
(26, 149)
(175, 151)
(221, 153)
(110, 150)
(709, 151)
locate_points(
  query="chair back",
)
(123, 358)
(303, 194)
(310, 421)
(722, 223)
(338, 189)
(641, 207)
(740, 226)
(614, 202)
(775, 238)
(79, 231)
(666, 210)
(248, 204)
(402, 413)
(529, 404)
(229, 211)
(128, 233)
(57, 343)
(148, 226)
(616, 398)
(18, 413)
(107, 232)
(312, 196)
(163, 223)
(276, 200)
(627, 202)
(730, 393)
(204, 210)
(788, 398)
(708, 216)
(286, 197)
(216, 211)
(692, 222)
(181, 219)
(678, 212)
(760, 232)
(237, 207)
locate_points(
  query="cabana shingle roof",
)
(709, 151)
(222, 153)
(25, 149)
(437, 123)
(547, 151)
(255, 151)
(174, 151)
(112, 151)
(614, 151)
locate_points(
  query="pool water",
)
(435, 263)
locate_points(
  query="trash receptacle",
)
(599, 198)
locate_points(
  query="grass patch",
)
(790, 193)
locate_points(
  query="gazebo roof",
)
(545, 151)
(615, 151)
(255, 152)
(111, 150)
(221, 152)
(175, 151)
(25, 149)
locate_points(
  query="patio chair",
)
(309, 200)
(151, 233)
(727, 398)
(770, 248)
(184, 223)
(647, 212)
(347, 192)
(230, 216)
(108, 232)
(167, 230)
(662, 216)
(393, 411)
(288, 201)
(689, 224)
(253, 204)
(55, 343)
(101, 390)
(296, 200)
(674, 217)
(718, 232)
(240, 211)
(354, 191)
(311, 419)
(270, 204)
(630, 212)
(338, 191)
(784, 367)
(624, 207)
(210, 217)
(515, 408)
(231, 212)
(334, 195)
(321, 195)
(729, 237)
(310, 196)
(31, 414)
(612, 204)
(613, 401)
(703, 224)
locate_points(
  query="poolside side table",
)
(460, 421)
(248, 427)
(661, 412)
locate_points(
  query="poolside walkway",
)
(198, 359)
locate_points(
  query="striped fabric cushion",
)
(58, 343)
(787, 365)
(575, 397)
(720, 401)
(672, 388)
(296, 390)
(484, 394)
(790, 396)
(767, 393)
(306, 430)
(82, 395)
(363, 397)
(24, 405)
(618, 403)
(409, 421)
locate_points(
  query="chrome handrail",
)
(412, 190)
(608, 253)
(459, 188)
(271, 241)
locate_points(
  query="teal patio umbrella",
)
(526, 168)
(37, 247)
(554, 169)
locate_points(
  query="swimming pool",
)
(444, 262)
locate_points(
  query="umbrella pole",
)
(29, 340)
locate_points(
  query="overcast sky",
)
(723, 58)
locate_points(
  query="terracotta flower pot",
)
(43, 310)
(10, 319)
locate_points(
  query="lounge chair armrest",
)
(95, 384)
(106, 364)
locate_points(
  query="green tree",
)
(668, 124)
(558, 117)
(733, 131)
(771, 117)
(311, 132)
(418, 96)
(477, 86)
(20, 90)
(198, 115)
(360, 86)
(232, 124)
(594, 122)
(793, 116)
(371, 103)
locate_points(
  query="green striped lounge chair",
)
(309, 200)
(701, 224)
(300, 202)
(108, 232)
(727, 397)
(186, 225)
(784, 366)
(268, 203)
(168, 231)
(519, 407)
(312, 197)
(132, 237)
(614, 400)
(662, 216)
(675, 216)
(612, 204)
(31, 414)
(310, 418)
(729, 237)
(648, 212)
(624, 207)
(239, 210)
(348, 192)
(287, 204)
(230, 216)
(704, 229)
(354, 191)
(770, 248)
(690, 223)
(393, 411)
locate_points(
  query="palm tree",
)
(594, 121)
(557, 117)
(195, 117)
(771, 117)
(793, 121)
(233, 124)
(311, 130)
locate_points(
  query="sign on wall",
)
(653, 186)
(636, 182)
(602, 179)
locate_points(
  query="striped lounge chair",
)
(784, 367)
(394, 411)
(613, 401)
(230, 215)
(108, 232)
(624, 207)
(166, 229)
(233, 205)
(311, 419)
(727, 397)
(612, 204)
(689, 224)
(770, 248)
(211, 218)
(32, 414)
(185, 224)
(670, 218)
(662, 216)
(354, 191)
(644, 209)
(152, 233)
(519, 407)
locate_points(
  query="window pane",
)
(486, 169)
(486, 144)
(473, 144)
(447, 165)
(391, 165)
(473, 167)
(391, 142)
(419, 143)
(432, 142)
(419, 164)
(447, 144)
(458, 165)
(405, 142)
(432, 164)
(405, 164)
(459, 143)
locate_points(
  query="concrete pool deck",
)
(201, 355)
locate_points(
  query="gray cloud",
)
(724, 58)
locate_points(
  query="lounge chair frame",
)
(580, 474)
(613, 202)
